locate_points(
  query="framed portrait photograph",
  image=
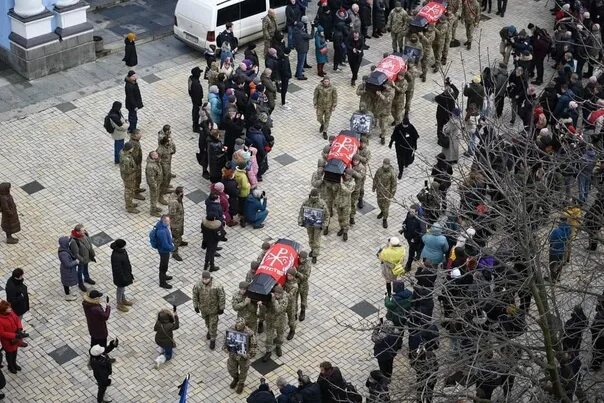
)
(237, 342)
(313, 217)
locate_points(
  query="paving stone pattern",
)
(72, 156)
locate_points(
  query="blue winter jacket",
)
(435, 245)
(253, 207)
(215, 107)
(320, 43)
(164, 238)
(287, 392)
(563, 101)
(558, 238)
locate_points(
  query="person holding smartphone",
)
(167, 322)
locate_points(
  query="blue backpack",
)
(153, 237)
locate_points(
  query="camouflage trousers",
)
(176, 237)
(251, 319)
(454, 22)
(437, 48)
(129, 193)
(383, 124)
(344, 216)
(275, 327)
(167, 176)
(427, 60)
(323, 117)
(398, 107)
(212, 325)
(354, 198)
(292, 311)
(261, 313)
(444, 53)
(331, 192)
(408, 98)
(384, 206)
(153, 196)
(469, 30)
(303, 292)
(139, 176)
(238, 367)
(314, 240)
(398, 41)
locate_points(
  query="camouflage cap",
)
(365, 78)
(244, 284)
(314, 193)
(326, 149)
(356, 157)
(206, 274)
(266, 245)
(331, 139)
(348, 172)
(304, 254)
(291, 271)
(364, 139)
(320, 163)
(240, 323)
(278, 289)
(386, 161)
(254, 265)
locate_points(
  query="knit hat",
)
(272, 52)
(254, 265)
(455, 273)
(219, 186)
(4, 306)
(314, 193)
(96, 350)
(214, 89)
(131, 73)
(206, 274)
(386, 161)
(394, 241)
(291, 271)
(266, 245)
(304, 254)
(278, 289)
(118, 244)
(572, 105)
(476, 79)
(244, 285)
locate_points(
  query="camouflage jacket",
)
(398, 21)
(252, 347)
(427, 38)
(384, 182)
(359, 174)
(303, 273)
(316, 181)
(325, 98)
(177, 212)
(346, 189)
(364, 154)
(470, 11)
(209, 299)
(442, 29)
(384, 100)
(400, 88)
(127, 167)
(269, 27)
(291, 286)
(165, 153)
(243, 310)
(153, 172)
(313, 203)
(453, 6)
(277, 307)
(137, 152)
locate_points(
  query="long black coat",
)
(365, 13)
(231, 189)
(446, 102)
(333, 386)
(130, 57)
(121, 267)
(405, 140)
(233, 129)
(16, 295)
(133, 95)
(216, 158)
(380, 9)
(196, 89)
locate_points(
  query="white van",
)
(199, 22)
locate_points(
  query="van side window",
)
(239, 11)
(278, 3)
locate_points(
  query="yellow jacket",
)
(393, 255)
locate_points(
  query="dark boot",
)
(266, 357)
(360, 203)
(165, 285)
(208, 337)
(340, 232)
(239, 389)
(278, 351)
(302, 315)
(345, 236)
(352, 221)
(385, 223)
(291, 334)
(212, 344)
(260, 327)
(234, 383)
(326, 231)
(176, 257)
(314, 259)
(380, 215)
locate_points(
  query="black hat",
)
(128, 146)
(196, 72)
(95, 294)
(131, 73)
(118, 244)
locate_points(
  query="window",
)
(239, 11)
(278, 3)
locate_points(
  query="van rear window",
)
(239, 11)
(278, 3)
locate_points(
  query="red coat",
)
(9, 324)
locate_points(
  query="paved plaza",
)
(60, 162)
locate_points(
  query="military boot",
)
(162, 200)
(314, 259)
(352, 221)
(176, 256)
(11, 240)
(260, 327)
(302, 315)
(345, 236)
(234, 382)
(240, 387)
(385, 223)
(266, 357)
(212, 344)
(326, 231)
(278, 351)
(360, 203)
(443, 61)
(155, 213)
(340, 232)
(132, 210)
(291, 334)
(139, 197)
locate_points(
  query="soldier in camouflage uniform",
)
(166, 149)
(365, 96)
(364, 156)
(137, 155)
(384, 184)
(316, 181)
(410, 76)
(314, 233)
(332, 190)
(291, 287)
(264, 248)
(470, 12)
(383, 107)
(303, 275)
(275, 322)
(359, 172)
(246, 308)
(269, 29)
(442, 37)
(208, 299)
(238, 364)
(154, 176)
(325, 100)
(398, 103)
(427, 39)
(343, 203)
(176, 211)
(398, 25)
(249, 276)
(453, 11)
(325, 152)
(128, 172)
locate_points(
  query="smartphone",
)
(174, 308)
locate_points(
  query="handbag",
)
(323, 50)
(443, 141)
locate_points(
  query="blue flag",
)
(184, 389)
